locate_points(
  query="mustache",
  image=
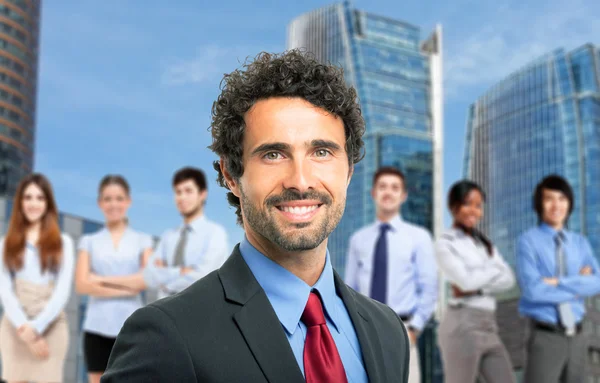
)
(293, 195)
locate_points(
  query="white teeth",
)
(299, 210)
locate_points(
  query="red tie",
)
(322, 362)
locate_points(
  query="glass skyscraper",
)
(542, 119)
(19, 42)
(398, 80)
(399, 83)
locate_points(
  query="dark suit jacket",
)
(223, 329)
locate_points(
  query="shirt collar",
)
(395, 223)
(105, 230)
(287, 293)
(544, 227)
(196, 224)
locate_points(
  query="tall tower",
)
(19, 44)
(399, 84)
(541, 119)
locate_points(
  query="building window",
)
(594, 356)
(588, 327)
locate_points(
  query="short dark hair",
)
(294, 73)
(556, 183)
(190, 173)
(388, 170)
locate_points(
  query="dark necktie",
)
(322, 362)
(179, 258)
(380, 261)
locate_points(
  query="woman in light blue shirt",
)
(116, 252)
(36, 274)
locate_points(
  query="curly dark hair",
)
(294, 73)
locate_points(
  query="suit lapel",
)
(258, 322)
(365, 331)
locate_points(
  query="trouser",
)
(414, 369)
(553, 357)
(471, 347)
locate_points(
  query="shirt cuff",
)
(416, 324)
(37, 326)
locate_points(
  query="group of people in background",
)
(276, 310)
(396, 263)
(390, 260)
(113, 267)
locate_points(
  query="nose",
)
(299, 175)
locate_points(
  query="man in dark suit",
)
(288, 132)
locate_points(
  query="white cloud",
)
(513, 36)
(209, 64)
(72, 88)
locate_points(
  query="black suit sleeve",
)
(149, 349)
(406, 352)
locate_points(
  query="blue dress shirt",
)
(412, 279)
(536, 260)
(288, 295)
(206, 250)
(106, 316)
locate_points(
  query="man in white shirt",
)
(192, 250)
(393, 262)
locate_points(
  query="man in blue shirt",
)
(556, 270)
(392, 261)
(194, 249)
(287, 130)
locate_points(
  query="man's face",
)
(388, 193)
(189, 198)
(555, 207)
(296, 173)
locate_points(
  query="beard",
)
(193, 211)
(308, 235)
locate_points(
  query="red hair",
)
(49, 243)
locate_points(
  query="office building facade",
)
(19, 45)
(542, 119)
(398, 79)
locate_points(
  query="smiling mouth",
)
(299, 212)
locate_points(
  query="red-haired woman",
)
(36, 275)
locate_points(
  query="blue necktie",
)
(380, 260)
(565, 310)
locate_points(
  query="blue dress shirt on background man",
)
(412, 280)
(206, 250)
(536, 260)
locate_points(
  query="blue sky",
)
(127, 87)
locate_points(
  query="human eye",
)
(322, 153)
(272, 156)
